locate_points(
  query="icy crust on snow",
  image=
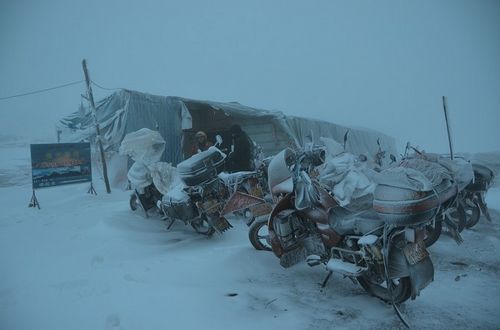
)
(460, 169)
(176, 194)
(426, 171)
(402, 177)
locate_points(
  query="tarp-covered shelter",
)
(178, 119)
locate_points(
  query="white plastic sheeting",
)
(126, 111)
(348, 177)
(426, 171)
(460, 169)
(146, 147)
(404, 177)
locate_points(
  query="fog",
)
(382, 65)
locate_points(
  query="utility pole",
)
(447, 126)
(97, 129)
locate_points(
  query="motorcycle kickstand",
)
(170, 224)
(327, 278)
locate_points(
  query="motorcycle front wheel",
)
(258, 236)
(457, 215)
(401, 289)
(203, 227)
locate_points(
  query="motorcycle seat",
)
(344, 221)
(236, 177)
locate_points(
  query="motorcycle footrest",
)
(344, 268)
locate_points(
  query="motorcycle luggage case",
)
(401, 206)
(201, 167)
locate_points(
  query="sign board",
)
(60, 163)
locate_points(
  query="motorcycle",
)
(374, 247)
(474, 195)
(204, 197)
(452, 213)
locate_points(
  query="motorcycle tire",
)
(433, 233)
(259, 242)
(401, 291)
(133, 202)
(473, 215)
(203, 227)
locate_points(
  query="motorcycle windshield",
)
(279, 168)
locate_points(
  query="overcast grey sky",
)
(377, 64)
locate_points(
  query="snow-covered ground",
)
(88, 262)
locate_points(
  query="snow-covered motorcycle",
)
(202, 196)
(365, 240)
(475, 192)
(454, 175)
(196, 193)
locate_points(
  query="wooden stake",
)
(98, 130)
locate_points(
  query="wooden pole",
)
(97, 129)
(447, 126)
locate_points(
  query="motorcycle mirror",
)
(218, 140)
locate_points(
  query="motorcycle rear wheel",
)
(401, 289)
(433, 233)
(256, 236)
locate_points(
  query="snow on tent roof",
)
(126, 111)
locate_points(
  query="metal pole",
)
(447, 126)
(98, 130)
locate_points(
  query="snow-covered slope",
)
(88, 262)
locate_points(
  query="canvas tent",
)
(177, 119)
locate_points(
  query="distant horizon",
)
(382, 66)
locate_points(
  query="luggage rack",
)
(357, 257)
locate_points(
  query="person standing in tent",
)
(240, 158)
(202, 143)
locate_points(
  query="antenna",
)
(446, 118)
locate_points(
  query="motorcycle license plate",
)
(415, 252)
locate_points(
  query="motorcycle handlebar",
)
(315, 157)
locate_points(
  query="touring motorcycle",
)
(450, 178)
(367, 240)
(206, 194)
(474, 194)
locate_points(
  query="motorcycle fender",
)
(421, 273)
(284, 204)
